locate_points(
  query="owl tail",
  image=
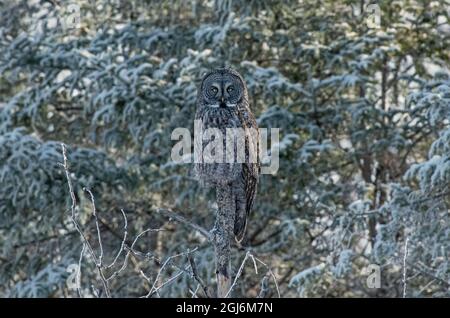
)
(239, 232)
(240, 218)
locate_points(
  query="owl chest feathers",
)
(223, 120)
(220, 118)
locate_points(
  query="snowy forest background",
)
(363, 106)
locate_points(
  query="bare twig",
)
(238, 274)
(194, 293)
(122, 245)
(167, 282)
(65, 165)
(130, 249)
(196, 276)
(78, 278)
(99, 236)
(405, 256)
(179, 218)
(270, 272)
(155, 289)
(255, 260)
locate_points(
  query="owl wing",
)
(250, 171)
(246, 192)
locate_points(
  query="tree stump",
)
(223, 233)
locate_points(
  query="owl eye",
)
(230, 89)
(214, 89)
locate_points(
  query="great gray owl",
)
(222, 102)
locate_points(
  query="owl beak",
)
(222, 103)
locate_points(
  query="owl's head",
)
(222, 88)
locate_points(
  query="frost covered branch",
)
(255, 260)
(97, 260)
(405, 257)
(124, 247)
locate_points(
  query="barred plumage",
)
(222, 103)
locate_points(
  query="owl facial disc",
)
(222, 89)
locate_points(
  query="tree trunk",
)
(222, 236)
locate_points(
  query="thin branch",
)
(238, 274)
(196, 276)
(179, 218)
(73, 207)
(130, 249)
(270, 273)
(78, 278)
(167, 282)
(99, 236)
(155, 289)
(405, 256)
(194, 293)
(122, 245)
(254, 259)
